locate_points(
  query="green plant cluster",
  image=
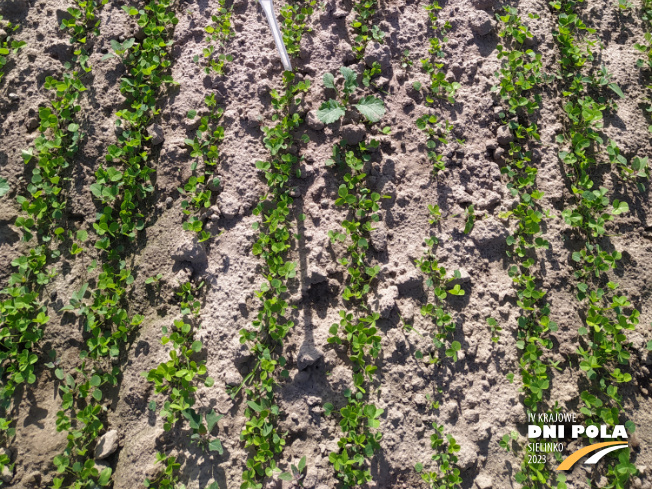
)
(645, 48)
(198, 190)
(584, 112)
(439, 86)
(271, 326)
(23, 315)
(8, 45)
(81, 417)
(168, 475)
(357, 331)
(446, 475)
(82, 22)
(437, 279)
(220, 32)
(363, 28)
(294, 18)
(122, 187)
(519, 75)
(178, 377)
(437, 138)
(603, 351)
(120, 193)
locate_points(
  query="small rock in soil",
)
(313, 122)
(387, 301)
(156, 133)
(7, 474)
(33, 479)
(107, 445)
(483, 481)
(379, 238)
(504, 135)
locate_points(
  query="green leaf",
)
(82, 235)
(4, 186)
(350, 78)
(209, 382)
(285, 476)
(212, 418)
(105, 477)
(328, 409)
(330, 111)
(418, 467)
(616, 89)
(329, 80)
(216, 446)
(371, 108)
(619, 207)
(191, 114)
(256, 407)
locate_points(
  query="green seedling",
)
(406, 61)
(8, 45)
(294, 19)
(444, 474)
(153, 280)
(495, 329)
(219, 32)
(437, 133)
(469, 212)
(296, 473)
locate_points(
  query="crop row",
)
(178, 376)
(356, 330)
(119, 190)
(608, 315)
(520, 75)
(271, 326)
(23, 314)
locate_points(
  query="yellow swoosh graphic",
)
(574, 457)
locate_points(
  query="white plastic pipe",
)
(268, 7)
